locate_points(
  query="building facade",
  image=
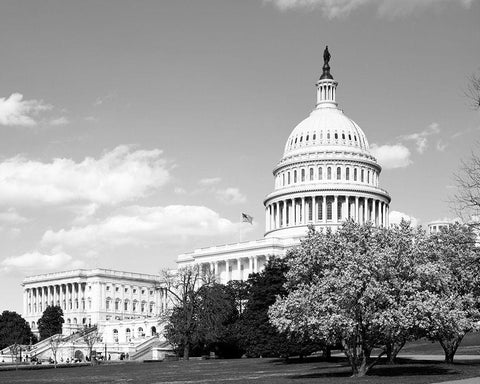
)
(326, 175)
(88, 297)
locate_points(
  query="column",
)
(255, 264)
(284, 213)
(216, 268)
(239, 269)
(267, 224)
(270, 211)
(365, 209)
(277, 215)
(387, 217)
(227, 270)
(384, 221)
(335, 209)
(314, 209)
(304, 211)
(374, 212)
(250, 264)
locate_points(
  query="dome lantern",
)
(326, 85)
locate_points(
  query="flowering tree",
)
(450, 295)
(354, 286)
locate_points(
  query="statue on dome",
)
(326, 56)
(326, 67)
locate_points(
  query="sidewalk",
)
(473, 380)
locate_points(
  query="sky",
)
(134, 131)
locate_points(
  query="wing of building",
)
(326, 175)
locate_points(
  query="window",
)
(336, 135)
(329, 209)
(126, 290)
(301, 138)
(151, 307)
(320, 209)
(355, 174)
(362, 176)
(288, 177)
(329, 173)
(314, 136)
(115, 336)
(339, 173)
(306, 139)
(320, 173)
(347, 173)
(143, 291)
(368, 177)
(134, 290)
(328, 135)
(343, 136)
(303, 175)
(108, 304)
(283, 178)
(295, 176)
(117, 289)
(108, 287)
(311, 174)
(310, 210)
(117, 305)
(339, 209)
(125, 305)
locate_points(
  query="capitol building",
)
(326, 175)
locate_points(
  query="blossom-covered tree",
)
(450, 291)
(354, 286)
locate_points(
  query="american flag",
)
(246, 218)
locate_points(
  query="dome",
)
(326, 127)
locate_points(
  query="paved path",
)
(473, 380)
(438, 357)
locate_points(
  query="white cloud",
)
(230, 195)
(209, 181)
(420, 138)
(119, 175)
(58, 121)
(395, 217)
(11, 216)
(39, 262)
(102, 99)
(441, 145)
(14, 111)
(391, 156)
(139, 225)
(342, 8)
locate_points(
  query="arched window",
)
(303, 175)
(311, 174)
(362, 176)
(288, 178)
(328, 135)
(142, 307)
(368, 177)
(347, 173)
(152, 306)
(115, 335)
(314, 136)
(33, 325)
(135, 306)
(140, 331)
(339, 173)
(117, 304)
(301, 138)
(128, 335)
(295, 176)
(283, 179)
(108, 305)
(336, 135)
(329, 173)
(343, 136)
(320, 173)
(125, 305)
(306, 139)
(355, 174)
(69, 321)
(89, 303)
(74, 320)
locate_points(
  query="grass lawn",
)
(271, 371)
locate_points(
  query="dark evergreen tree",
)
(257, 336)
(51, 322)
(14, 330)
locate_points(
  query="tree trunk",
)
(450, 347)
(186, 351)
(392, 349)
(327, 353)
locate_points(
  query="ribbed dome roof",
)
(327, 126)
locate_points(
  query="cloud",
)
(420, 138)
(230, 196)
(118, 176)
(59, 121)
(342, 8)
(102, 99)
(209, 181)
(395, 217)
(11, 216)
(34, 262)
(391, 156)
(14, 111)
(140, 225)
(441, 146)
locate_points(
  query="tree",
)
(14, 332)
(257, 336)
(473, 91)
(450, 291)
(339, 291)
(51, 322)
(184, 289)
(466, 201)
(90, 336)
